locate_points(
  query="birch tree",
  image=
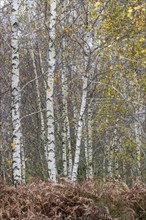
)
(66, 129)
(49, 93)
(82, 109)
(88, 45)
(66, 139)
(79, 130)
(139, 133)
(90, 140)
(16, 96)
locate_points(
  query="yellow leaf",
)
(130, 10)
(137, 7)
(13, 145)
(55, 80)
(9, 162)
(143, 51)
(141, 39)
(97, 4)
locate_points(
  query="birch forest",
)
(73, 98)
(72, 90)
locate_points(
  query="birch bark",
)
(87, 50)
(79, 130)
(49, 94)
(88, 144)
(66, 145)
(138, 139)
(16, 96)
(90, 147)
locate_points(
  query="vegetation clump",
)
(90, 200)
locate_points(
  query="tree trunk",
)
(66, 142)
(16, 96)
(79, 130)
(90, 147)
(49, 94)
(87, 50)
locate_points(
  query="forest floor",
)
(88, 200)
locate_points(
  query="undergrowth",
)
(112, 200)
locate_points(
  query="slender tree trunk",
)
(64, 96)
(90, 147)
(138, 139)
(79, 130)
(66, 143)
(85, 137)
(16, 96)
(49, 94)
(87, 50)
(86, 156)
(88, 143)
(66, 130)
(139, 120)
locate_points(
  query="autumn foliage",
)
(87, 201)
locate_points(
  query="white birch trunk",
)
(49, 94)
(88, 144)
(86, 147)
(87, 49)
(66, 127)
(64, 144)
(86, 156)
(79, 130)
(76, 116)
(64, 97)
(90, 147)
(64, 131)
(70, 163)
(138, 138)
(139, 119)
(16, 96)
